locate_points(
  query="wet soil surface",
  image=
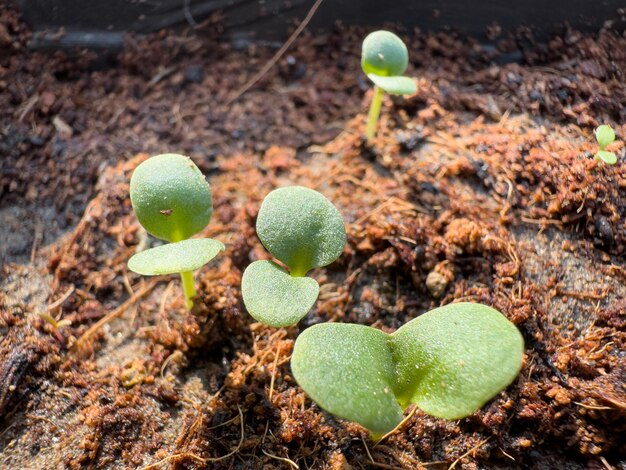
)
(481, 187)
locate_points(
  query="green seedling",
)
(605, 136)
(384, 59)
(303, 230)
(173, 201)
(449, 362)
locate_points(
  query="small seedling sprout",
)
(173, 201)
(449, 362)
(384, 59)
(605, 135)
(303, 230)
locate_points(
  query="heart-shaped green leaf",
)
(607, 157)
(187, 255)
(449, 362)
(274, 297)
(301, 228)
(348, 370)
(452, 360)
(394, 85)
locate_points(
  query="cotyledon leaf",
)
(171, 197)
(607, 157)
(301, 228)
(347, 370)
(274, 297)
(394, 85)
(604, 135)
(452, 360)
(186, 255)
(384, 53)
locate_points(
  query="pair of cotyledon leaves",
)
(384, 58)
(172, 201)
(303, 230)
(605, 135)
(449, 362)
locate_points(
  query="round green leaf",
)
(394, 85)
(170, 196)
(301, 228)
(274, 297)
(452, 360)
(607, 157)
(604, 135)
(384, 53)
(348, 370)
(187, 255)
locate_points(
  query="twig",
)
(376, 464)
(57, 303)
(473, 449)
(117, 312)
(169, 358)
(274, 371)
(188, 16)
(606, 464)
(36, 240)
(398, 427)
(592, 407)
(173, 457)
(197, 458)
(542, 221)
(225, 423)
(282, 459)
(250, 83)
(230, 454)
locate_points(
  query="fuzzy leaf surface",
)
(171, 197)
(607, 157)
(347, 369)
(454, 359)
(394, 85)
(301, 228)
(449, 362)
(186, 255)
(604, 135)
(384, 53)
(274, 297)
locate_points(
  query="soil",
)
(480, 187)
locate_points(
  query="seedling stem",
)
(173, 202)
(188, 287)
(372, 118)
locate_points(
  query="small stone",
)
(436, 284)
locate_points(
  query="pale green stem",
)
(372, 117)
(188, 288)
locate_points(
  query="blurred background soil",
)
(481, 187)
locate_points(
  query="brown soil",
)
(480, 187)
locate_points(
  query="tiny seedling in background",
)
(303, 230)
(384, 59)
(449, 362)
(605, 136)
(173, 201)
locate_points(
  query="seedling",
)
(303, 230)
(449, 362)
(605, 135)
(384, 59)
(173, 201)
